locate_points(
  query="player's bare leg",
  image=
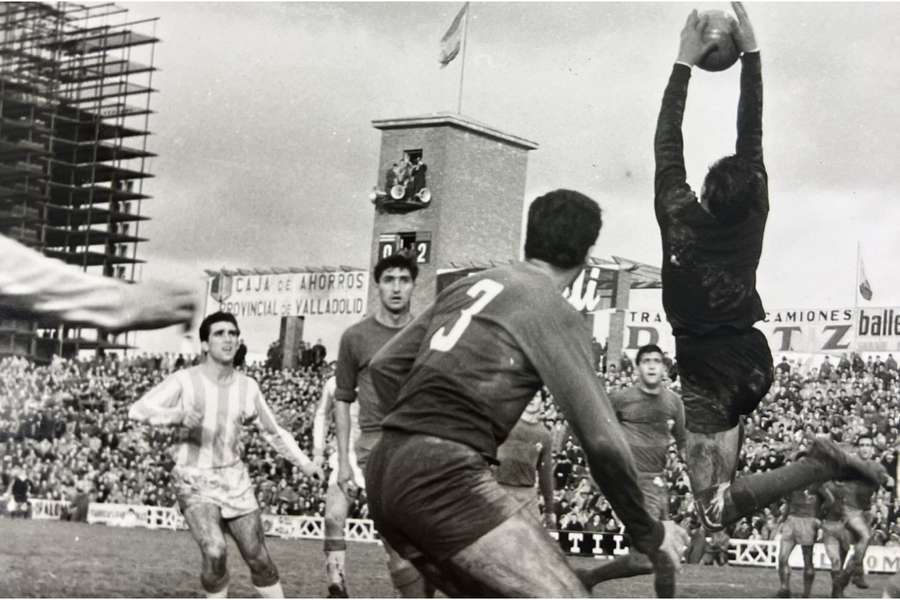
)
(631, 565)
(438, 578)
(248, 533)
(853, 571)
(809, 571)
(712, 462)
(515, 559)
(407, 579)
(836, 553)
(892, 588)
(784, 569)
(336, 508)
(205, 523)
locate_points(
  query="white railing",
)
(753, 553)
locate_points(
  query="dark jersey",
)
(466, 368)
(804, 502)
(832, 494)
(858, 494)
(359, 343)
(487, 344)
(21, 489)
(650, 421)
(709, 269)
(519, 454)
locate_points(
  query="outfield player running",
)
(210, 404)
(711, 250)
(395, 277)
(457, 380)
(651, 416)
(337, 504)
(800, 526)
(525, 457)
(835, 535)
(858, 517)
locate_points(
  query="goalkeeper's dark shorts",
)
(722, 378)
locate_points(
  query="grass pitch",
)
(59, 559)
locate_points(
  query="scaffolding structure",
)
(75, 91)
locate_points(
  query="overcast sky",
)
(267, 153)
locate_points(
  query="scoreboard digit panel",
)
(416, 243)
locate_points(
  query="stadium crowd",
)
(64, 429)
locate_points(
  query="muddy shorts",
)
(229, 488)
(432, 497)
(722, 378)
(800, 530)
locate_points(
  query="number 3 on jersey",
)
(485, 291)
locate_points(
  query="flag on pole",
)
(452, 40)
(865, 289)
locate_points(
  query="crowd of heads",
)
(64, 428)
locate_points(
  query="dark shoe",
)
(846, 465)
(859, 581)
(783, 593)
(336, 591)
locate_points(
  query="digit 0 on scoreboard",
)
(416, 243)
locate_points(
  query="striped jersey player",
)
(210, 404)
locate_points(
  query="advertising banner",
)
(809, 331)
(328, 300)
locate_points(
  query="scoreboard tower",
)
(450, 192)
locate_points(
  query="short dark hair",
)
(730, 188)
(647, 349)
(399, 260)
(216, 317)
(562, 227)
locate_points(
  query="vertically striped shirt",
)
(223, 410)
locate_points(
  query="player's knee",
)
(263, 571)
(214, 552)
(214, 575)
(334, 523)
(809, 571)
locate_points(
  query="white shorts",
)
(230, 488)
(358, 477)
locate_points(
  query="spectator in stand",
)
(318, 353)
(17, 495)
(783, 368)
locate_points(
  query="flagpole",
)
(856, 287)
(462, 66)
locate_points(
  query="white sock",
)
(223, 593)
(334, 567)
(271, 591)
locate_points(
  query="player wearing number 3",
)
(456, 381)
